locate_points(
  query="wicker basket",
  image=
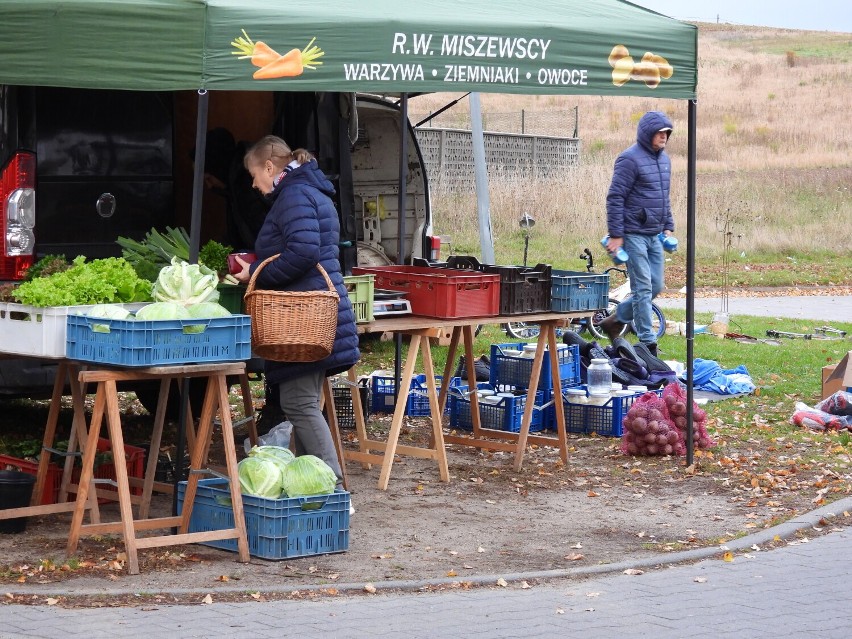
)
(292, 326)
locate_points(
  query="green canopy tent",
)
(571, 47)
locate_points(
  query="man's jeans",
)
(645, 268)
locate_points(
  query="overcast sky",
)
(819, 15)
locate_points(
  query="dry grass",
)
(774, 142)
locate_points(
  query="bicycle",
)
(522, 330)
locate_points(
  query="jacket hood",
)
(308, 173)
(650, 123)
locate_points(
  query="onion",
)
(653, 427)
(632, 448)
(654, 415)
(652, 449)
(639, 425)
(670, 400)
(672, 437)
(650, 438)
(638, 410)
(668, 449)
(662, 439)
(680, 422)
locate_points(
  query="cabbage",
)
(186, 283)
(207, 309)
(163, 311)
(308, 475)
(107, 311)
(260, 477)
(278, 454)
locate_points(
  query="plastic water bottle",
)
(669, 242)
(620, 256)
(599, 378)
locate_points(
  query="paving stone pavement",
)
(798, 590)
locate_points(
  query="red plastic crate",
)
(135, 458)
(50, 492)
(440, 293)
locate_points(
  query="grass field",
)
(774, 170)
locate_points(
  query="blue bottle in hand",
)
(669, 242)
(620, 256)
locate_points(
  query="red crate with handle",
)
(440, 293)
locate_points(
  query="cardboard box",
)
(837, 376)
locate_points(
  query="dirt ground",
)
(601, 507)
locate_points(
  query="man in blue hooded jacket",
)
(637, 211)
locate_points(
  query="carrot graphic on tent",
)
(272, 64)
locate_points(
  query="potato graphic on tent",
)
(272, 64)
(650, 70)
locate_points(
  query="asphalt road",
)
(819, 308)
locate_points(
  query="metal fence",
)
(564, 124)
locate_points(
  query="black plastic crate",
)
(343, 404)
(523, 289)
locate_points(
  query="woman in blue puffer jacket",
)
(637, 211)
(302, 226)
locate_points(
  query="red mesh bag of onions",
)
(648, 430)
(674, 396)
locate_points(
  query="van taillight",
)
(17, 223)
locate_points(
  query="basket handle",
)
(250, 287)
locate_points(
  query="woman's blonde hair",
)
(276, 150)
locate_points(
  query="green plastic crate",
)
(361, 290)
(231, 297)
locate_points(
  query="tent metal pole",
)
(194, 244)
(198, 176)
(690, 275)
(400, 240)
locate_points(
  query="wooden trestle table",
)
(420, 329)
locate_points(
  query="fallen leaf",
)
(490, 501)
(369, 588)
(9, 595)
(560, 611)
(574, 557)
(728, 556)
(255, 595)
(22, 579)
(593, 594)
(634, 571)
(50, 601)
(480, 549)
(207, 599)
(452, 573)
(700, 580)
(577, 545)
(502, 582)
(525, 585)
(592, 493)
(223, 578)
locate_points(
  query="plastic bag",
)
(815, 419)
(840, 403)
(277, 436)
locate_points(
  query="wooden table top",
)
(417, 322)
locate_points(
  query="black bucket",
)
(16, 490)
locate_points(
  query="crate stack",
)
(605, 419)
(510, 373)
(382, 389)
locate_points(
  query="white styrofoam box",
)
(38, 331)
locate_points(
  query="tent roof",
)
(381, 46)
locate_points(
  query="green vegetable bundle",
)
(155, 251)
(105, 281)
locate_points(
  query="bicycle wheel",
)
(592, 322)
(658, 322)
(521, 330)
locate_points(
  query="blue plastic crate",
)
(417, 404)
(511, 371)
(158, 342)
(275, 528)
(578, 291)
(606, 420)
(505, 415)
